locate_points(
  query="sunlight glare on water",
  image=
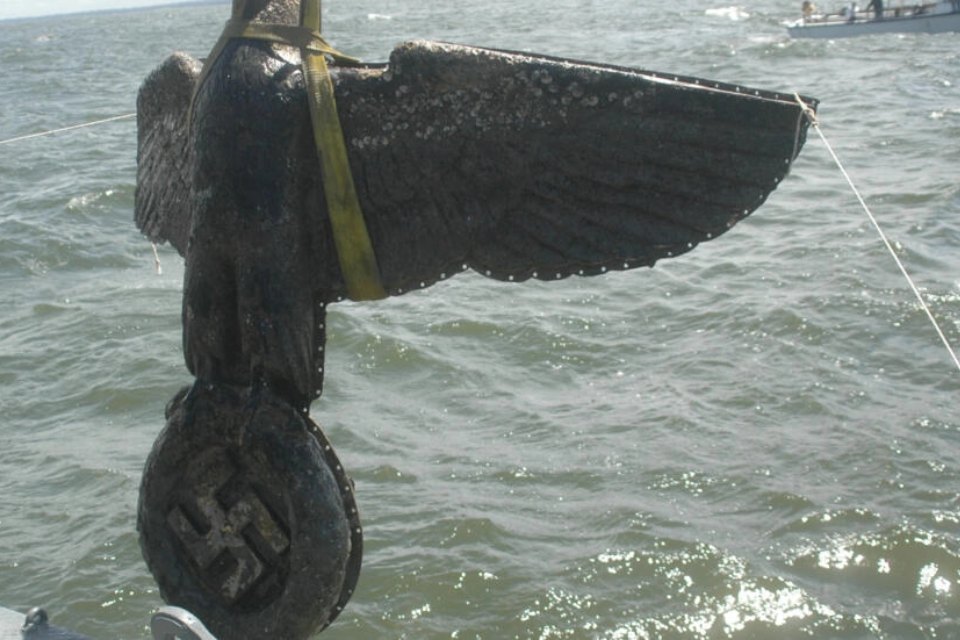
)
(756, 440)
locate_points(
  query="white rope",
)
(71, 128)
(156, 259)
(156, 254)
(812, 117)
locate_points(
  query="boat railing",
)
(861, 15)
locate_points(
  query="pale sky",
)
(31, 8)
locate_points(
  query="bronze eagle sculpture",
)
(513, 165)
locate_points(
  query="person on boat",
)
(809, 9)
(851, 11)
(877, 6)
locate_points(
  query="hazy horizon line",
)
(158, 5)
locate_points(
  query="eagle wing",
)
(164, 153)
(522, 166)
(515, 165)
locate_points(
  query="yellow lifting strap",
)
(358, 262)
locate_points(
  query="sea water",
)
(756, 440)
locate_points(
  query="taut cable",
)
(812, 117)
(125, 116)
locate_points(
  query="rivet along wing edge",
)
(513, 164)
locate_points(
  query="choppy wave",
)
(731, 13)
(754, 441)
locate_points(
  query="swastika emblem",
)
(236, 542)
(247, 518)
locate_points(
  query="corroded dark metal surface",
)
(515, 165)
(246, 516)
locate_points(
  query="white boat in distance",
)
(935, 17)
